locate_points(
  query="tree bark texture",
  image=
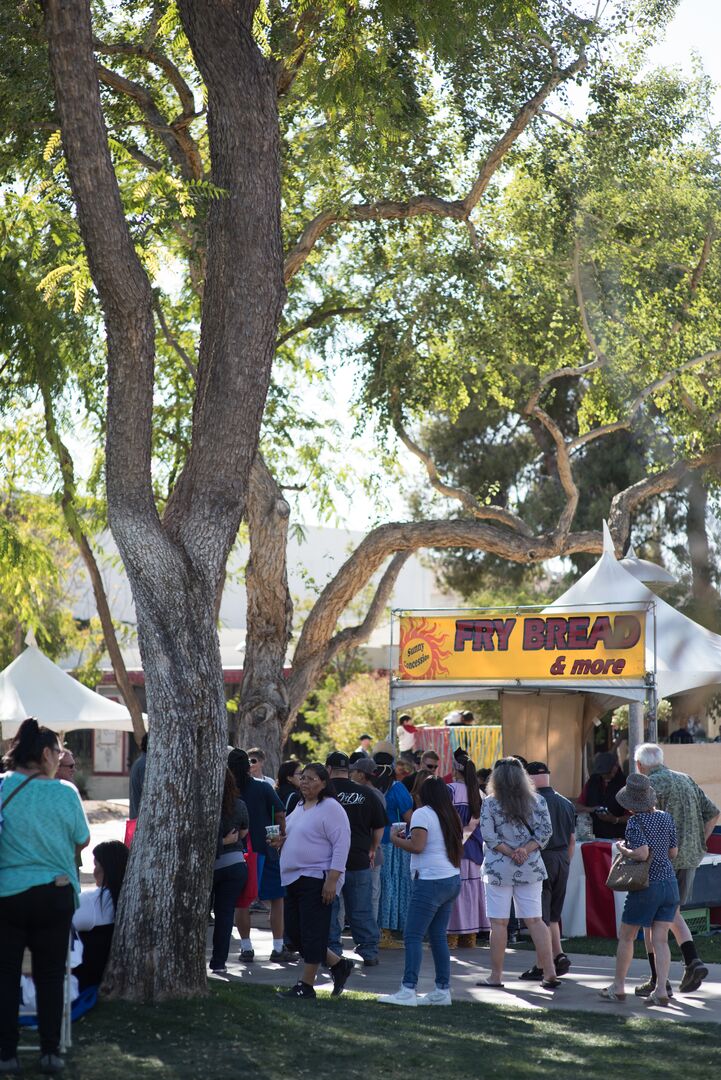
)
(175, 566)
(75, 528)
(264, 693)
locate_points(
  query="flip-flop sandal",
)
(487, 982)
(609, 994)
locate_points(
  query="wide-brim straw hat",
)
(384, 747)
(638, 795)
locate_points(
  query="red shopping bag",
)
(250, 891)
(130, 831)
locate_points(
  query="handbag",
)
(250, 889)
(627, 874)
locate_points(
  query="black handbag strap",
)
(11, 796)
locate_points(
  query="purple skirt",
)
(468, 915)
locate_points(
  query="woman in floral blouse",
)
(516, 825)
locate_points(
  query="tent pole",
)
(635, 731)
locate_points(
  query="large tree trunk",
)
(264, 694)
(160, 933)
(175, 566)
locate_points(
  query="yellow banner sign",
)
(581, 645)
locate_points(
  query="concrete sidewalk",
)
(588, 974)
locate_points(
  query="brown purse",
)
(627, 874)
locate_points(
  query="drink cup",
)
(272, 831)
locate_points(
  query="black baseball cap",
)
(537, 768)
(337, 760)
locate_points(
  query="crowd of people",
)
(384, 846)
(378, 843)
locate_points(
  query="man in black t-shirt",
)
(367, 821)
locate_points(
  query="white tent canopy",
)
(683, 655)
(32, 685)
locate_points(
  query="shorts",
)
(684, 880)
(269, 887)
(553, 893)
(658, 902)
(526, 899)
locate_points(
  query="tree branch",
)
(489, 513)
(119, 277)
(458, 209)
(173, 341)
(625, 502)
(244, 260)
(287, 69)
(303, 675)
(316, 318)
(159, 59)
(154, 119)
(648, 391)
(565, 471)
(695, 281)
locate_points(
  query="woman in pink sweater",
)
(313, 855)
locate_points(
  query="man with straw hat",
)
(695, 817)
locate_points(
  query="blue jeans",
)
(358, 899)
(428, 913)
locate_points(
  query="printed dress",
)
(468, 915)
(396, 868)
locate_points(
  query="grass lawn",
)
(708, 945)
(249, 1031)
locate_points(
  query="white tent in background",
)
(643, 569)
(683, 655)
(32, 685)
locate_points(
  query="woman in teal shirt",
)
(43, 827)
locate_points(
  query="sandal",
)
(609, 994)
(487, 982)
(654, 999)
(551, 984)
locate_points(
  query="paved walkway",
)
(579, 991)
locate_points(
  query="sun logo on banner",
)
(421, 650)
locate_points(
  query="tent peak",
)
(609, 547)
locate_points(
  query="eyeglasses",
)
(253, 760)
(430, 765)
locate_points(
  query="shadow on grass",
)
(240, 1030)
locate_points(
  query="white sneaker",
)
(404, 996)
(436, 997)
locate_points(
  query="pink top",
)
(316, 839)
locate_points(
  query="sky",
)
(696, 29)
